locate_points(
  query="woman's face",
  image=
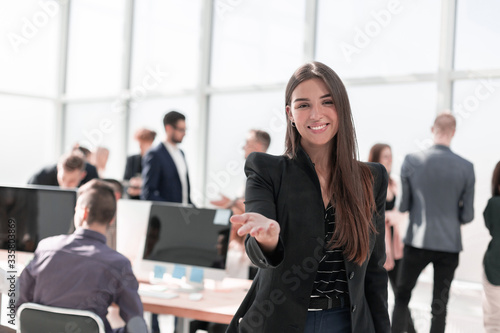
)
(386, 158)
(313, 112)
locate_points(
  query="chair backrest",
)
(37, 318)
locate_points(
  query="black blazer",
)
(288, 191)
(133, 166)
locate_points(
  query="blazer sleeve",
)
(491, 214)
(129, 168)
(151, 170)
(376, 275)
(36, 179)
(467, 199)
(46, 176)
(259, 198)
(405, 204)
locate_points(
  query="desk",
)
(217, 305)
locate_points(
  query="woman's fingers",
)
(256, 231)
(256, 225)
(239, 219)
(245, 229)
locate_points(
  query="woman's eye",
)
(328, 102)
(301, 106)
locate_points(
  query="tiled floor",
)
(464, 307)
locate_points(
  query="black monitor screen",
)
(36, 212)
(186, 235)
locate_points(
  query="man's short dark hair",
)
(85, 151)
(172, 118)
(72, 162)
(99, 197)
(116, 184)
(263, 137)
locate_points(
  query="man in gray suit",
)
(438, 191)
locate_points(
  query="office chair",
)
(37, 318)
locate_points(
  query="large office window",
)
(378, 38)
(383, 114)
(476, 102)
(95, 47)
(478, 30)
(166, 45)
(29, 57)
(230, 121)
(26, 131)
(257, 42)
(29, 47)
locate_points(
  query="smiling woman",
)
(315, 220)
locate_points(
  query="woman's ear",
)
(289, 113)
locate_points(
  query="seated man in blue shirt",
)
(79, 271)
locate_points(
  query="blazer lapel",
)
(170, 161)
(305, 163)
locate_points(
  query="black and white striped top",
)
(331, 278)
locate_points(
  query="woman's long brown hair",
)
(351, 182)
(376, 152)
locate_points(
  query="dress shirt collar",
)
(170, 147)
(87, 233)
(441, 147)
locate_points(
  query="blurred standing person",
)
(491, 275)
(382, 153)
(238, 265)
(164, 170)
(256, 141)
(133, 168)
(438, 191)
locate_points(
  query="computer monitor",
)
(173, 238)
(188, 236)
(33, 213)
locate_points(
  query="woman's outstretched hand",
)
(265, 231)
